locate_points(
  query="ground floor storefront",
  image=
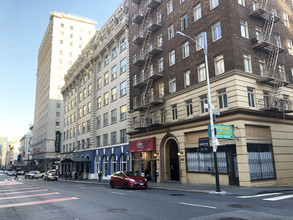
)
(260, 153)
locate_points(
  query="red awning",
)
(142, 145)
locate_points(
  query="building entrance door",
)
(174, 161)
(232, 165)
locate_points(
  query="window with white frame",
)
(222, 97)
(89, 90)
(189, 111)
(216, 29)
(105, 143)
(203, 101)
(123, 88)
(123, 44)
(244, 29)
(123, 136)
(105, 119)
(286, 19)
(282, 74)
(99, 83)
(114, 72)
(159, 17)
(184, 22)
(199, 41)
(98, 122)
(266, 99)
(161, 90)
(114, 52)
(197, 12)
(106, 78)
(185, 49)
(123, 110)
(106, 98)
(99, 102)
(171, 32)
(290, 47)
(258, 34)
(187, 78)
(161, 64)
(169, 6)
(172, 85)
(250, 93)
(262, 67)
(163, 115)
(219, 64)
(123, 65)
(201, 71)
(89, 107)
(171, 57)
(106, 59)
(247, 63)
(174, 112)
(160, 40)
(214, 4)
(241, 2)
(114, 94)
(113, 141)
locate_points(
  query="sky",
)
(23, 24)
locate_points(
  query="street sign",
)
(222, 131)
(204, 145)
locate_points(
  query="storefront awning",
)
(67, 160)
(81, 160)
(142, 145)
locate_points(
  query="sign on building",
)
(222, 131)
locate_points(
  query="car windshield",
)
(132, 174)
(32, 172)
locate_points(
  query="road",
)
(39, 199)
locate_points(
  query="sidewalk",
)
(200, 188)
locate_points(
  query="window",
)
(163, 115)
(201, 71)
(62, 25)
(172, 85)
(171, 32)
(243, 29)
(88, 125)
(189, 111)
(266, 99)
(214, 4)
(106, 59)
(99, 66)
(114, 94)
(99, 102)
(114, 72)
(159, 17)
(258, 34)
(203, 101)
(58, 105)
(185, 49)
(184, 22)
(123, 162)
(247, 63)
(174, 112)
(105, 119)
(61, 41)
(84, 93)
(114, 52)
(89, 91)
(98, 122)
(199, 41)
(114, 141)
(58, 114)
(57, 124)
(106, 98)
(222, 97)
(161, 90)
(83, 127)
(171, 57)
(99, 83)
(169, 6)
(123, 65)
(123, 136)
(216, 29)
(84, 110)
(114, 116)
(250, 93)
(290, 47)
(123, 88)
(219, 64)
(241, 2)
(161, 64)
(197, 12)
(181, 1)
(98, 141)
(123, 44)
(89, 105)
(286, 19)
(105, 142)
(282, 74)
(260, 160)
(187, 78)
(106, 78)
(123, 110)
(262, 67)
(160, 40)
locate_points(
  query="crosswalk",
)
(12, 193)
(268, 196)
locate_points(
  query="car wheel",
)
(126, 186)
(25, 177)
(112, 184)
(33, 177)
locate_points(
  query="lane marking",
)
(39, 190)
(37, 202)
(82, 187)
(7, 182)
(26, 196)
(196, 205)
(260, 195)
(119, 193)
(16, 189)
(279, 198)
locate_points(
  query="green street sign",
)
(222, 131)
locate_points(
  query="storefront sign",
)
(57, 141)
(222, 131)
(204, 145)
(142, 145)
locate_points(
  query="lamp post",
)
(211, 107)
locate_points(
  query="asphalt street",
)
(39, 199)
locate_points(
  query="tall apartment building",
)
(65, 37)
(251, 74)
(96, 99)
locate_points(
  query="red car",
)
(128, 179)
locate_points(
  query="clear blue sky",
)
(22, 26)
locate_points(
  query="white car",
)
(34, 175)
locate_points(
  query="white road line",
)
(260, 195)
(27, 196)
(279, 198)
(39, 190)
(196, 205)
(82, 187)
(119, 193)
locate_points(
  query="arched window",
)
(97, 164)
(123, 162)
(113, 163)
(105, 165)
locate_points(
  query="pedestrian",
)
(100, 175)
(66, 175)
(70, 175)
(15, 176)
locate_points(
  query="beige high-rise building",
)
(65, 37)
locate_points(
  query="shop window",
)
(113, 163)
(123, 162)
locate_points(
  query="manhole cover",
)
(231, 218)
(117, 210)
(177, 194)
(239, 206)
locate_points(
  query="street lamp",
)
(211, 107)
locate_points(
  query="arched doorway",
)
(174, 161)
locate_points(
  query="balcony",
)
(142, 80)
(150, 101)
(136, 1)
(153, 3)
(276, 105)
(139, 62)
(153, 27)
(138, 40)
(147, 122)
(155, 51)
(262, 14)
(265, 46)
(137, 18)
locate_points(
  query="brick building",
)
(251, 74)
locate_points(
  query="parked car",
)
(34, 175)
(11, 173)
(51, 175)
(127, 180)
(20, 172)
